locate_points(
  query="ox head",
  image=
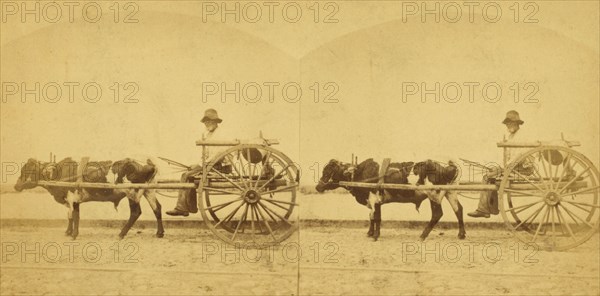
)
(332, 174)
(30, 174)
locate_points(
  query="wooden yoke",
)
(81, 168)
(382, 170)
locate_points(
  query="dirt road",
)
(317, 260)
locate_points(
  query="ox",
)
(396, 173)
(95, 172)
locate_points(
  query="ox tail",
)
(116, 204)
(418, 204)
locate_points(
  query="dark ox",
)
(397, 173)
(94, 172)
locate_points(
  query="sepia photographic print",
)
(299, 147)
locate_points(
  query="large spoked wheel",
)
(247, 196)
(549, 196)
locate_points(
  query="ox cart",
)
(555, 206)
(250, 204)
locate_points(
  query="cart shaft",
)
(458, 187)
(118, 186)
(477, 187)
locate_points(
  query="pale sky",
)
(367, 56)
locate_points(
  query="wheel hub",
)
(251, 196)
(552, 198)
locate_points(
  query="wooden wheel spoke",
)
(573, 215)
(257, 219)
(275, 204)
(573, 180)
(274, 213)
(252, 170)
(581, 204)
(523, 207)
(581, 191)
(529, 181)
(280, 189)
(269, 214)
(237, 171)
(544, 220)
(252, 221)
(242, 219)
(275, 176)
(249, 179)
(262, 168)
(221, 206)
(249, 164)
(549, 176)
(228, 179)
(573, 218)
(536, 171)
(534, 215)
(566, 165)
(554, 176)
(266, 223)
(553, 222)
(559, 222)
(581, 208)
(281, 201)
(562, 220)
(228, 217)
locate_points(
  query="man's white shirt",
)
(219, 134)
(520, 137)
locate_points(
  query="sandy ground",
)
(316, 260)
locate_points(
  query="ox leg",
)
(157, 209)
(75, 220)
(375, 215)
(70, 219)
(73, 201)
(436, 215)
(377, 220)
(134, 213)
(371, 206)
(458, 210)
(462, 234)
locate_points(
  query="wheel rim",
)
(253, 204)
(556, 205)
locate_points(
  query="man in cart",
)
(488, 200)
(186, 202)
